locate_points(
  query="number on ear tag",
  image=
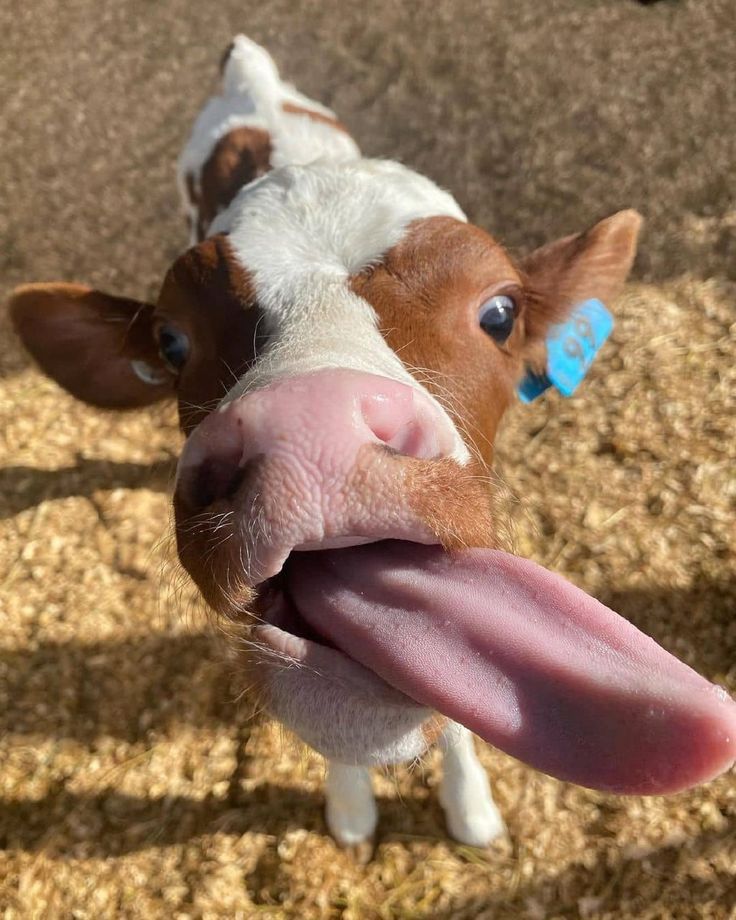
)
(571, 349)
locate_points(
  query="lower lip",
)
(330, 665)
(284, 632)
(275, 607)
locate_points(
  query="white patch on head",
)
(253, 95)
(321, 216)
(301, 232)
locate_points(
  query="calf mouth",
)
(325, 696)
(285, 637)
(276, 606)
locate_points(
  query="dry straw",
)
(132, 786)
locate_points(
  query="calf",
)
(342, 345)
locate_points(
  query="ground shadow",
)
(110, 823)
(128, 688)
(140, 689)
(617, 884)
(23, 487)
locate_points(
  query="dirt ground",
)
(132, 784)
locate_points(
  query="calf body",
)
(258, 124)
(342, 345)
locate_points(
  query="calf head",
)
(343, 347)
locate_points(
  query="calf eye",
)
(496, 317)
(173, 346)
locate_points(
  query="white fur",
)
(465, 793)
(344, 722)
(302, 231)
(350, 808)
(253, 95)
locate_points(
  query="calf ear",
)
(575, 268)
(98, 347)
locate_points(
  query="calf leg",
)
(350, 806)
(465, 793)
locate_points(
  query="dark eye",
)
(496, 317)
(173, 346)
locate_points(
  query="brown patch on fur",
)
(239, 157)
(594, 263)
(434, 726)
(292, 108)
(454, 502)
(208, 542)
(209, 296)
(427, 291)
(86, 339)
(458, 503)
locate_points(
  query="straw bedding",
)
(133, 782)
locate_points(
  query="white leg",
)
(465, 793)
(350, 807)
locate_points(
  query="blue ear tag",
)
(571, 349)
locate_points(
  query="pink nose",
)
(318, 423)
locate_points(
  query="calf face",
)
(342, 347)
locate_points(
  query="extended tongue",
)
(526, 660)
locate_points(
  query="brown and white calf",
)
(342, 345)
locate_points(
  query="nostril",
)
(402, 424)
(413, 441)
(385, 416)
(214, 479)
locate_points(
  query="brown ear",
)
(98, 347)
(591, 264)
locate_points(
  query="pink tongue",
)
(526, 660)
